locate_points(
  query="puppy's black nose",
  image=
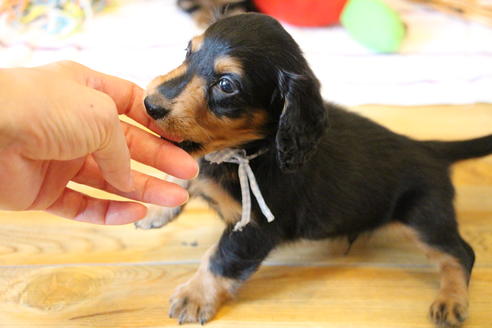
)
(155, 111)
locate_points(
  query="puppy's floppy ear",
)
(302, 121)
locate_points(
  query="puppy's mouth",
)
(187, 145)
(171, 138)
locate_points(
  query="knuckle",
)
(68, 64)
(105, 109)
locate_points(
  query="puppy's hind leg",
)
(158, 216)
(431, 221)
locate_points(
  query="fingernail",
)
(197, 167)
(180, 198)
(171, 198)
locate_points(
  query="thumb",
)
(113, 156)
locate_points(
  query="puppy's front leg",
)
(223, 269)
(158, 216)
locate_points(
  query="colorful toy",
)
(374, 24)
(370, 22)
(54, 17)
(303, 12)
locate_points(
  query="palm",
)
(48, 180)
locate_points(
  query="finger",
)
(147, 189)
(127, 96)
(77, 206)
(113, 158)
(164, 156)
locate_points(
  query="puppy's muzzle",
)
(154, 110)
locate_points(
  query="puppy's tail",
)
(453, 151)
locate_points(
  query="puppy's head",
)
(243, 81)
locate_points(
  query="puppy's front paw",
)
(448, 312)
(157, 217)
(191, 304)
(199, 299)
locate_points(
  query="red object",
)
(303, 12)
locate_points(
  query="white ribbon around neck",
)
(247, 180)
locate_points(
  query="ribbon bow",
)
(247, 180)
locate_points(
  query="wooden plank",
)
(279, 296)
(36, 238)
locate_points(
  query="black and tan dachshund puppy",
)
(323, 172)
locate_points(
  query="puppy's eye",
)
(226, 85)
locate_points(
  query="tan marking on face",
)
(192, 119)
(187, 105)
(219, 199)
(197, 43)
(227, 64)
(152, 87)
(452, 297)
(200, 297)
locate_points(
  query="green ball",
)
(374, 24)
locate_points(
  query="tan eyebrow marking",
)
(227, 64)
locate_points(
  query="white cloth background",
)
(443, 60)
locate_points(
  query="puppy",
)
(322, 172)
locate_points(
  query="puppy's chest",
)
(217, 191)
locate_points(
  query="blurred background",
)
(444, 55)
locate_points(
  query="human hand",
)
(59, 123)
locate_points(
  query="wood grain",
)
(59, 273)
(278, 296)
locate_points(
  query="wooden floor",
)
(57, 273)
